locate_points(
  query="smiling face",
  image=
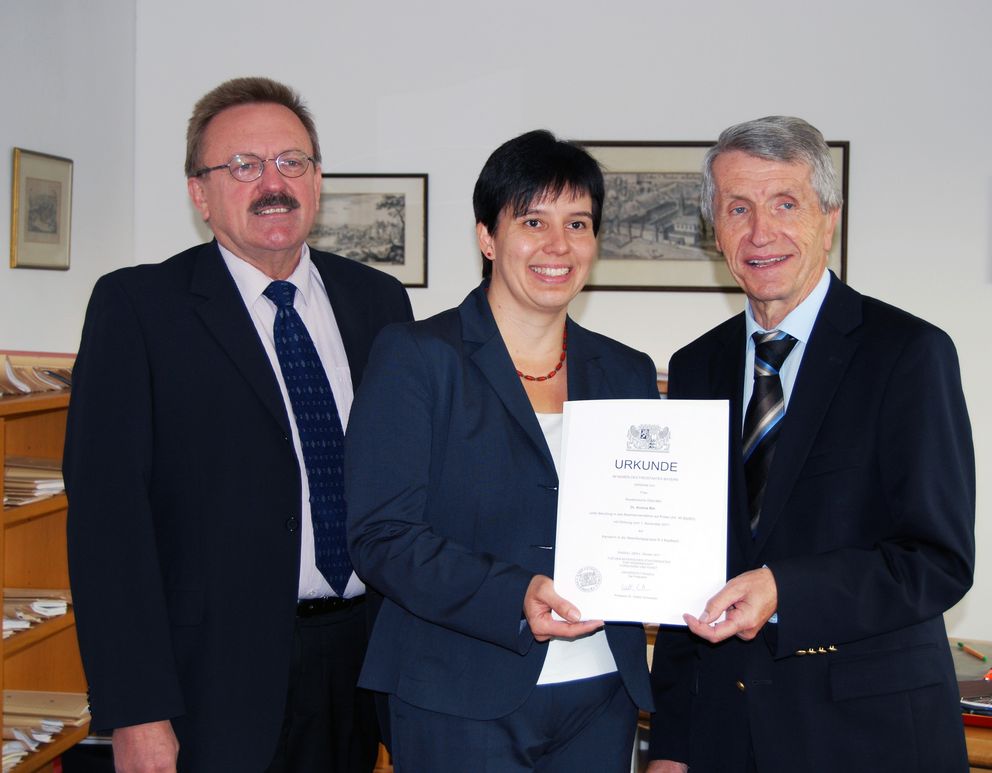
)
(770, 228)
(264, 222)
(541, 259)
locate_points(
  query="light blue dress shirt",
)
(798, 323)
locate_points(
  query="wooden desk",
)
(979, 740)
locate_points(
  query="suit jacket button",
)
(740, 685)
(291, 523)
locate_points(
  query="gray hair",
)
(777, 138)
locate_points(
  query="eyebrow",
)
(790, 192)
(541, 211)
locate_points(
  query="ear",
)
(828, 237)
(198, 196)
(318, 182)
(485, 240)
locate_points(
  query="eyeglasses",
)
(247, 167)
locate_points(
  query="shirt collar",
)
(252, 282)
(799, 322)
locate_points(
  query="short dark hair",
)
(530, 167)
(242, 91)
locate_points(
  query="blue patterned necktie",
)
(321, 437)
(762, 422)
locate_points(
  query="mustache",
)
(270, 200)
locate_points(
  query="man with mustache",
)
(852, 499)
(220, 623)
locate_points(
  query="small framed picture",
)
(41, 211)
(377, 219)
(653, 237)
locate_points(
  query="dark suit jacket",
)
(868, 526)
(452, 493)
(184, 501)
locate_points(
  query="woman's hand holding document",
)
(642, 508)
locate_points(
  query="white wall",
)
(67, 90)
(435, 87)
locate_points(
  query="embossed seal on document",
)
(649, 437)
(588, 578)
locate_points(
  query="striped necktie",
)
(321, 437)
(763, 420)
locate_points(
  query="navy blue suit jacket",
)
(184, 501)
(868, 527)
(452, 497)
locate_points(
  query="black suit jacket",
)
(868, 527)
(452, 497)
(184, 501)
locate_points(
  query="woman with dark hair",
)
(452, 453)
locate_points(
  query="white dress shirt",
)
(588, 656)
(314, 307)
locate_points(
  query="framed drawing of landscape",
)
(653, 237)
(378, 219)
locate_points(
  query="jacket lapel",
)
(586, 377)
(825, 361)
(728, 384)
(486, 349)
(224, 314)
(349, 305)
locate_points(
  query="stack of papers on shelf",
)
(27, 479)
(24, 734)
(70, 708)
(47, 602)
(36, 594)
(49, 607)
(37, 727)
(12, 625)
(24, 372)
(23, 607)
(13, 753)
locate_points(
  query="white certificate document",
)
(642, 508)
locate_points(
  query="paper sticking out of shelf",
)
(36, 725)
(26, 372)
(13, 753)
(23, 608)
(28, 479)
(25, 734)
(31, 594)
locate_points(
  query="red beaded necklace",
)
(561, 361)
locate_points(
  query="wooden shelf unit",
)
(33, 550)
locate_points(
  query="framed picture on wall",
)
(40, 211)
(652, 235)
(376, 219)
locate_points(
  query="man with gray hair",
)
(851, 507)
